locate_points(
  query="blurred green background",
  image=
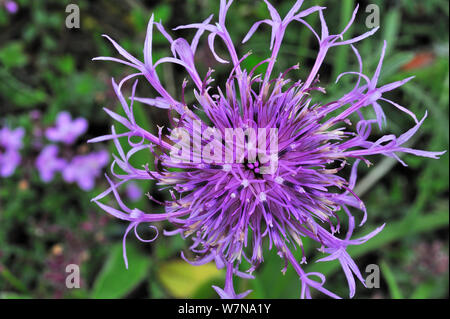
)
(46, 67)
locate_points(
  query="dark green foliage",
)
(46, 67)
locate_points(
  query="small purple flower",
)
(84, 169)
(230, 208)
(48, 163)
(11, 6)
(10, 144)
(133, 191)
(66, 130)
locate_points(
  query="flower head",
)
(10, 144)
(66, 130)
(280, 178)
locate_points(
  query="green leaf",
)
(12, 295)
(182, 280)
(66, 64)
(163, 12)
(342, 53)
(114, 280)
(144, 156)
(391, 28)
(29, 98)
(12, 55)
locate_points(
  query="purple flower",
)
(84, 169)
(48, 163)
(10, 144)
(66, 130)
(230, 206)
(11, 6)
